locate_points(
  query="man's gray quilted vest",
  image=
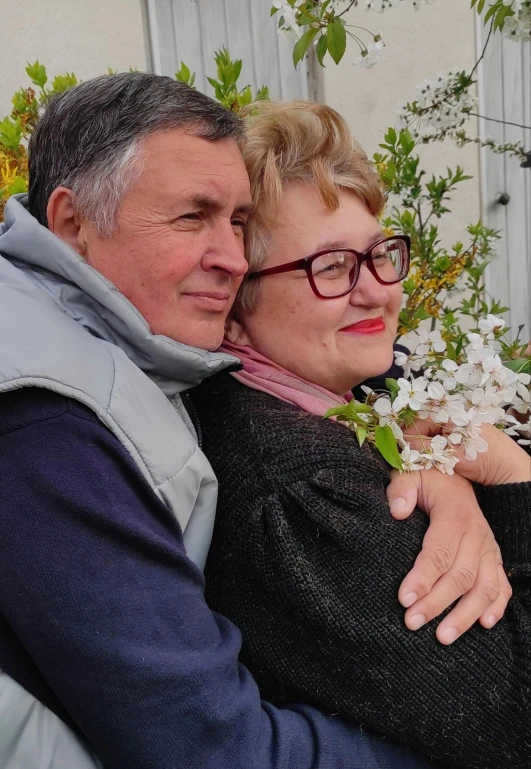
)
(64, 327)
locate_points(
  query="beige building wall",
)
(419, 45)
(81, 36)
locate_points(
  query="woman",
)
(305, 558)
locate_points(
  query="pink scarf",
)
(262, 374)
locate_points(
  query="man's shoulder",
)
(28, 406)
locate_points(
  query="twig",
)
(495, 120)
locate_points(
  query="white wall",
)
(81, 36)
(419, 44)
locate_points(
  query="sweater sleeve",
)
(318, 562)
(507, 508)
(98, 594)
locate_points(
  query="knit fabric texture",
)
(307, 561)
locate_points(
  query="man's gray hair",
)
(88, 138)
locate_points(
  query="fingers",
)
(439, 550)
(402, 494)
(480, 600)
(495, 611)
(445, 569)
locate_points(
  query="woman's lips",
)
(370, 326)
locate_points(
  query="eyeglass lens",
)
(332, 271)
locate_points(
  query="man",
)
(117, 272)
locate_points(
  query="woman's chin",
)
(372, 367)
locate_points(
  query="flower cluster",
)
(441, 106)
(371, 54)
(383, 5)
(518, 26)
(432, 416)
(289, 26)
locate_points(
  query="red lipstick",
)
(370, 326)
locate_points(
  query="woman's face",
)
(314, 338)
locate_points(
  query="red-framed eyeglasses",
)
(334, 273)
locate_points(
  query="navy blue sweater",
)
(103, 617)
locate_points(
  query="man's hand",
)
(459, 558)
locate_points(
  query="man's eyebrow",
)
(212, 204)
(342, 243)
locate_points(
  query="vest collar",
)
(87, 297)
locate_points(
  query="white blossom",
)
(406, 362)
(491, 324)
(412, 459)
(388, 416)
(371, 54)
(443, 407)
(447, 374)
(430, 343)
(410, 393)
(472, 441)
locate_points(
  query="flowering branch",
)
(456, 389)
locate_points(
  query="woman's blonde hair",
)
(298, 141)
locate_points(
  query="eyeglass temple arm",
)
(299, 264)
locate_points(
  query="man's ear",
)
(235, 331)
(64, 221)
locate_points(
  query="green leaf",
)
(492, 10)
(19, 185)
(386, 444)
(335, 411)
(361, 434)
(450, 351)
(62, 83)
(336, 39)
(481, 5)
(302, 45)
(37, 74)
(184, 74)
(520, 365)
(392, 386)
(10, 133)
(322, 48)
(390, 136)
(237, 69)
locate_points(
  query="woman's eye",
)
(239, 223)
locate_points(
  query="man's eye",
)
(192, 217)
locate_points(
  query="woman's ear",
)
(235, 331)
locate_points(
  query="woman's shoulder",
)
(239, 421)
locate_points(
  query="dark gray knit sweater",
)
(307, 561)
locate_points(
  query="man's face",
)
(177, 251)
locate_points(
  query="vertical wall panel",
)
(505, 94)
(182, 30)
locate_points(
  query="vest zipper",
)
(192, 413)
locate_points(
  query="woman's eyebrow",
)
(342, 243)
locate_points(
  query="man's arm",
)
(99, 593)
(318, 561)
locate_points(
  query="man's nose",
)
(368, 291)
(226, 252)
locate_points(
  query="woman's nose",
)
(368, 291)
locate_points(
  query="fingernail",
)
(448, 635)
(398, 505)
(418, 620)
(409, 599)
(491, 621)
